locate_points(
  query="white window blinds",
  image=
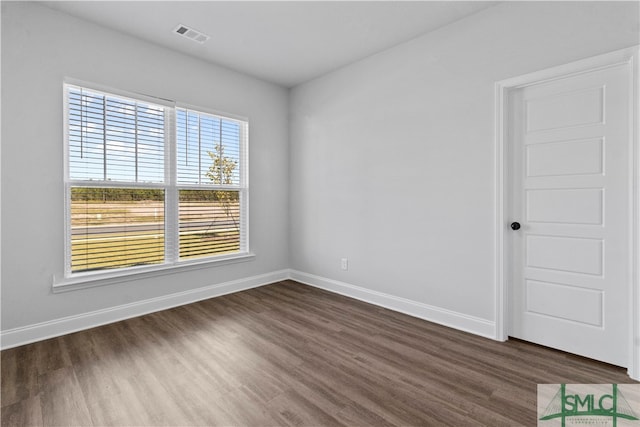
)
(209, 167)
(114, 139)
(208, 149)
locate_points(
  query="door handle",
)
(515, 226)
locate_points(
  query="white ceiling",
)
(284, 42)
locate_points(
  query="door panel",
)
(546, 298)
(564, 109)
(569, 157)
(565, 254)
(580, 157)
(569, 206)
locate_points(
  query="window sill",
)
(90, 280)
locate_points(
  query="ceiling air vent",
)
(191, 34)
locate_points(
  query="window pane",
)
(86, 135)
(116, 227)
(114, 139)
(209, 223)
(208, 149)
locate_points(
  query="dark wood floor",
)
(284, 354)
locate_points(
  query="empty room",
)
(320, 213)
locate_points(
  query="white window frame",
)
(172, 262)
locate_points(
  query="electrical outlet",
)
(344, 263)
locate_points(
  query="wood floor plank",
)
(26, 412)
(294, 409)
(19, 375)
(62, 400)
(282, 355)
(356, 415)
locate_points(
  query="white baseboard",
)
(452, 319)
(66, 325)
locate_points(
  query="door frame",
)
(627, 57)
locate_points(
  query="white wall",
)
(40, 47)
(392, 158)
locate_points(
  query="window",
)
(208, 178)
(149, 184)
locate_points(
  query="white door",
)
(570, 191)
